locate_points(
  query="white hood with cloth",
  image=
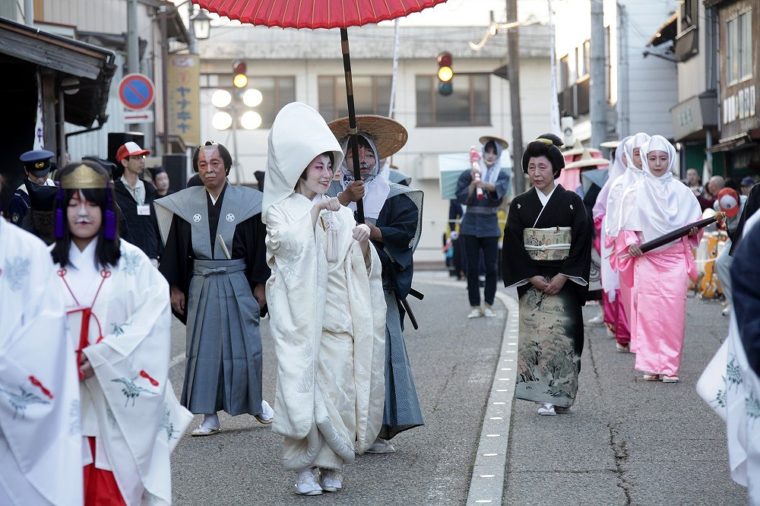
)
(314, 297)
(289, 155)
(663, 203)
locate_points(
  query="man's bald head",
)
(715, 185)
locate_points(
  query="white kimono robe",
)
(128, 405)
(328, 323)
(40, 448)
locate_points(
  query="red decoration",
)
(316, 13)
(148, 377)
(39, 385)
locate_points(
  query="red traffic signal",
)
(445, 59)
(445, 73)
(239, 74)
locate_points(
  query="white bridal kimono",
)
(40, 437)
(327, 309)
(128, 405)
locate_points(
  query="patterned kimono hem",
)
(551, 330)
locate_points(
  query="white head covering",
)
(298, 135)
(615, 170)
(663, 203)
(376, 187)
(622, 195)
(618, 166)
(490, 174)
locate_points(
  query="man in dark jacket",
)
(135, 199)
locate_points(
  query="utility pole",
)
(28, 12)
(598, 91)
(133, 45)
(513, 76)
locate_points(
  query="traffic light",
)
(239, 77)
(445, 74)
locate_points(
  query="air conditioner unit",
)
(567, 124)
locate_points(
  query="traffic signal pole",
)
(513, 75)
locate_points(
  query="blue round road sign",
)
(136, 91)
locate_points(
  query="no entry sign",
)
(136, 91)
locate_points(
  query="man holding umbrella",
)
(393, 213)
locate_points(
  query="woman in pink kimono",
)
(617, 211)
(614, 314)
(660, 276)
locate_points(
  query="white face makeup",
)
(319, 173)
(367, 161)
(658, 162)
(84, 217)
(637, 158)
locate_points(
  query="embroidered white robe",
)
(40, 448)
(128, 405)
(328, 325)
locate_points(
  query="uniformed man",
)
(32, 203)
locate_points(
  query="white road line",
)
(486, 462)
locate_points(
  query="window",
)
(739, 47)
(586, 57)
(689, 14)
(372, 95)
(564, 73)
(276, 92)
(468, 105)
(579, 71)
(608, 63)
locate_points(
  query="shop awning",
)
(744, 140)
(92, 68)
(666, 32)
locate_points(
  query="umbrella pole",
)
(353, 137)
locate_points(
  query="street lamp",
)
(201, 25)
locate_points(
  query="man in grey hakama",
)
(215, 257)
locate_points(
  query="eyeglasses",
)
(137, 157)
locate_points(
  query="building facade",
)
(306, 66)
(640, 87)
(739, 65)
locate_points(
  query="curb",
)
(488, 473)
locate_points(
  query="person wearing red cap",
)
(730, 202)
(135, 199)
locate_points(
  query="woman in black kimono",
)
(547, 256)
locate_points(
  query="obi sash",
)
(547, 243)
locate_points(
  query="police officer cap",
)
(38, 162)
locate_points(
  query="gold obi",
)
(547, 243)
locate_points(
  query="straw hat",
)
(498, 140)
(610, 144)
(389, 135)
(587, 161)
(578, 149)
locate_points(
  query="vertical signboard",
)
(183, 83)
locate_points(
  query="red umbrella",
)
(321, 14)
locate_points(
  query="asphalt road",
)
(453, 360)
(625, 442)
